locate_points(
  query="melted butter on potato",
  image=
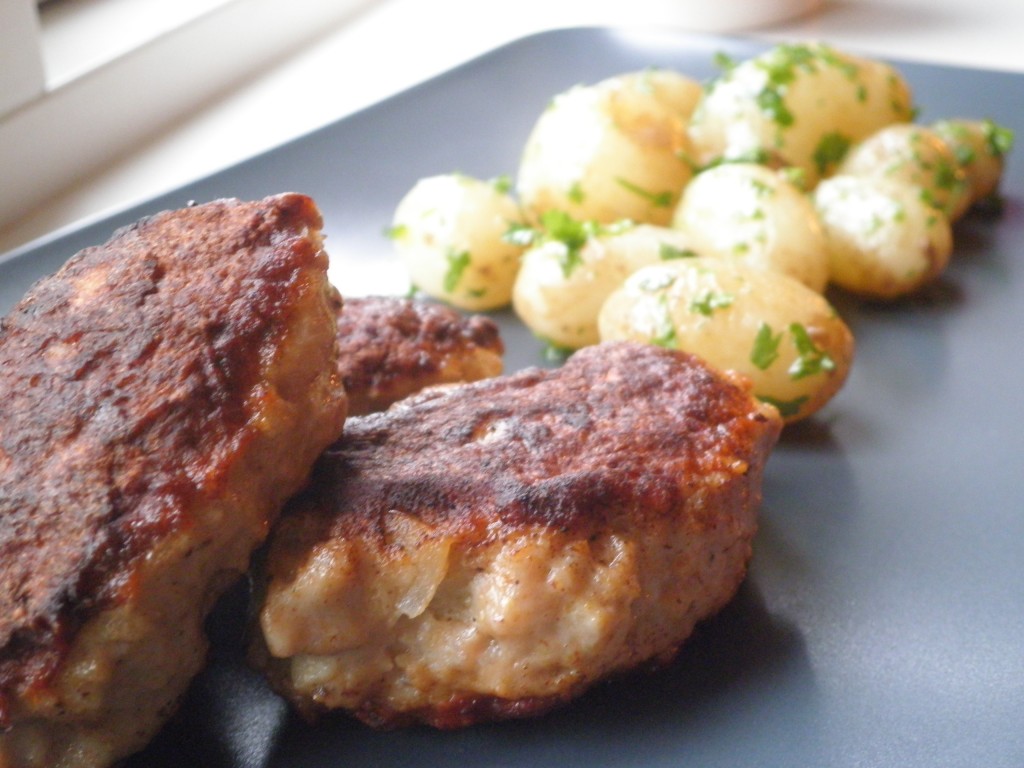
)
(782, 336)
(799, 104)
(885, 240)
(753, 214)
(614, 150)
(914, 155)
(449, 231)
(563, 282)
(980, 148)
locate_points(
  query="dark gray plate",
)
(882, 623)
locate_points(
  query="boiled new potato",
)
(610, 151)
(784, 337)
(800, 105)
(884, 239)
(563, 282)
(449, 230)
(915, 155)
(754, 214)
(980, 148)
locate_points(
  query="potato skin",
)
(799, 104)
(775, 331)
(915, 155)
(753, 214)
(558, 297)
(980, 148)
(614, 150)
(449, 231)
(884, 240)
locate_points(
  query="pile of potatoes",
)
(711, 218)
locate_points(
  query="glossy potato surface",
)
(449, 231)
(753, 214)
(799, 105)
(610, 151)
(784, 337)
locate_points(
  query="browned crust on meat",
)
(604, 437)
(389, 348)
(130, 379)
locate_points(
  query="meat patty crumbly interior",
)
(390, 347)
(164, 394)
(490, 550)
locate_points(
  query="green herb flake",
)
(947, 176)
(708, 302)
(786, 408)
(795, 176)
(396, 232)
(576, 193)
(724, 61)
(553, 352)
(665, 329)
(772, 103)
(657, 199)
(502, 184)
(811, 359)
(766, 347)
(831, 57)
(669, 252)
(573, 234)
(522, 235)
(831, 149)
(457, 263)
(964, 154)
(998, 138)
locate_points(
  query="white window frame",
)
(58, 126)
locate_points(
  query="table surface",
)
(394, 44)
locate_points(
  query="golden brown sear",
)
(490, 550)
(163, 394)
(389, 348)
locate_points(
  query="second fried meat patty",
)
(490, 550)
(390, 347)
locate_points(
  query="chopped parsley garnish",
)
(724, 61)
(669, 252)
(708, 302)
(457, 263)
(396, 231)
(575, 193)
(786, 408)
(771, 102)
(947, 176)
(665, 330)
(811, 358)
(521, 234)
(657, 199)
(830, 151)
(502, 184)
(766, 347)
(998, 138)
(559, 226)
(757, 156)
(656, 280)
(555, 352)
(762, 189)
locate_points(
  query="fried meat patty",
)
(490, 550)
(163, 394)
(389, 348)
